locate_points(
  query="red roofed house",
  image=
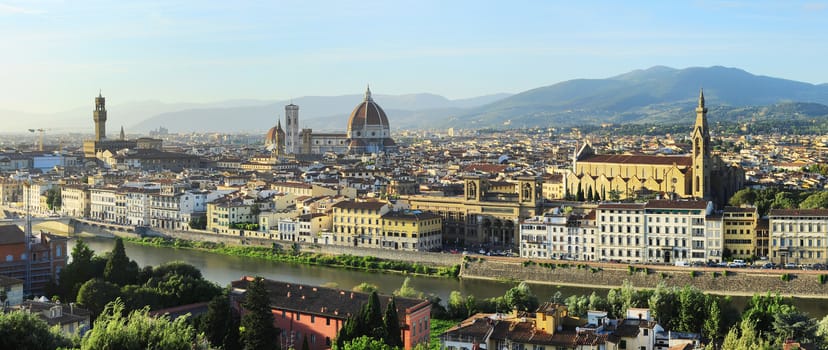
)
(318, 313)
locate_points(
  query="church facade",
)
(620, 176)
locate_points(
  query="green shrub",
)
(630, 270)
(787, 276)
(822, 279)
(694, 273)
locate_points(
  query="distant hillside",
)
(658, 94)
(321, 113)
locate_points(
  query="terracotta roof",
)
(486, 168)
(413, 215)
(798, 212)
(12, 234)
(323, 301)
(367, 113)
(625, 206)
(681, 160)
(359, 205)
(668, 204)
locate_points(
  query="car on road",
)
(737, 263)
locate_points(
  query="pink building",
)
(318, 313)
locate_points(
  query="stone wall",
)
(714, 280)
(426, 258)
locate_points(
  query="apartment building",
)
(798, 236)
(75, 201)
(358, 224)
(411, 230)
(739, 229)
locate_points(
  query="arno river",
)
(222, 269)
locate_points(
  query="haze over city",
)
(59, 54)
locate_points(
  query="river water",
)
(222, 269)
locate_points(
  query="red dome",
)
(367, 113)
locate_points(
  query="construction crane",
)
(41, 131)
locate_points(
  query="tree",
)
(363, 343)
(115, 330)
(797, 326)
(24, 330)
(692, 310)
(221, 323)
(577, 304)
(371, 315)
(94, 294)
(407, 291)
(785, 200)
(521, 298)
(257, 322)
(815, 201)
(457, 305)
(745, 337)
(664, 304)
(392, 325)
(53, 200)
(80, 270)
(743, 196)
(762, 308)
(119, 268)
(713, 322)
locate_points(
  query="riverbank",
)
(741, 282)
(736, 282)
(294, 254)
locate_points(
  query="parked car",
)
(790, 266)
(737, 263)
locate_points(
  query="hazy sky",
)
(55, 55)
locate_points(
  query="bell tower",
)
(701, 152)
(293, 141)
(99, 116)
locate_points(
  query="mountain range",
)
(656, 95)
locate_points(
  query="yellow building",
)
(697, 175)
(224, 212)
(358, 224)
(799, 236)
(488, 213)
(411, 230)
(739, 232)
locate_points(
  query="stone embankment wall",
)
(714, 280)
(426, 258)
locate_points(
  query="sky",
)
(55, 54)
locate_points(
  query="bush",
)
(630, 270)
(787, 276)
(822, 279)
(694, 273)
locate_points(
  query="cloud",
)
(17, 10)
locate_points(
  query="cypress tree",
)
(119, 269)
(259, 332)
(392, 325)
(373, 318)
